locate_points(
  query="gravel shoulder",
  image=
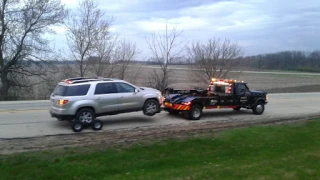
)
(127, 137)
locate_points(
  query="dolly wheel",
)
(97, 125)
(77, 126)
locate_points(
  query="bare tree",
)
(103, 63)
(22, 44)
(213, 59)
(164, 48)
(124, 55)
(84, 29)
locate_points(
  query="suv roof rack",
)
(85, 79)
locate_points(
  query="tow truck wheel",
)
(97, 125)
(258, 108)
(151, 107)
(195, 112)
(237, 108)
(77, 126)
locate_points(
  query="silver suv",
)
(84, 99)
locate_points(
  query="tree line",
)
(285, 60)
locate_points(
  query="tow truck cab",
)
(219, 94)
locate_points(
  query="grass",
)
(266, 152)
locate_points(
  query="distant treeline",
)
(285, 60)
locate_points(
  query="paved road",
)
(31, 119)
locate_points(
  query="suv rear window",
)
(79, 90)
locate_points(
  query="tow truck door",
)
(242, 93)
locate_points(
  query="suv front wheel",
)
(151, 107)
(85, 116)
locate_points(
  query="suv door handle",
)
(98, 98)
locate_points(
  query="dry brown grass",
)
(185, 79)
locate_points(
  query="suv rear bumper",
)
(61, 117)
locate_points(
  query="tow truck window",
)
(241, 88)
(106, 88)
(218, 88)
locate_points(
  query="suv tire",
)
(85, 116)
(151, 107)
(195, 112)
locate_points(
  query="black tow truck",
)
(221, 93)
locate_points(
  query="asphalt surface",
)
(21, 119)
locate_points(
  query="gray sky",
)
(258, 26)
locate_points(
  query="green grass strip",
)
(265, 152)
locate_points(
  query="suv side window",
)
(241, 88)
(125, 88)
(106, 88)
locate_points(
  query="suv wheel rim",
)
(196, 113)
(151, 107)
(259, 108)
(85, 117)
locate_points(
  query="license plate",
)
(167, 104)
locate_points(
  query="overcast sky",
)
(258, 26)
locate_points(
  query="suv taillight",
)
(62, 102)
